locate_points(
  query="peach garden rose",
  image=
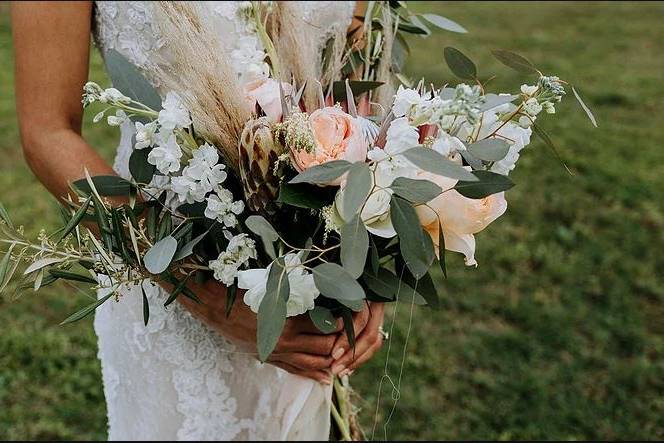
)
(336, 136)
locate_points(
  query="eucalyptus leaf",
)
(489, 149)
(389, 286)
(375, 259)
(141, 170)
(436, 163)
(354, 246)
(334, 282)
(585, 107)
(441, 249)
(272, 310)
(357, 189)
(261, 227)
(487, 183)
(159, 257)
(324, 173)
(444, 23)
(514, 61)
(303, 195)
(415, 191)
(459, 64)
(492, 101)
(188, 249)
(86, 310)
(106, 185)
(128, 80)
(323, 319)
(415, 245)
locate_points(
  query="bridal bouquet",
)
(312, 196)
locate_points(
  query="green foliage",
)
(556, 335)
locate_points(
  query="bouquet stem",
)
(343, 412)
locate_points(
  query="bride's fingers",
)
(342, 345)
(366, 356)
(306, 343)
(366, 342)
(319, 376)
(307, 362)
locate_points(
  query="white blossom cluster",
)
(226, 267)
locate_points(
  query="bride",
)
(188, 374)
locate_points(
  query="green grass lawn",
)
(558, 334)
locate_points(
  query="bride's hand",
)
(368, 340)
(301, 350)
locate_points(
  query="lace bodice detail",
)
(177, 378)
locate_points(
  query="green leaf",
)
(5, 216)
(4, 265)
(387, 285)
(128, 80)
(441, 249)
(261, 227)
(585, 108)
(159, 257)
(323, 319)
(86, 311)
(324, 173)
(459, 64)
(102, 222)
(426, 288)
(488, 183)
(358, 187)
(436, 163)
(415, 191)
(375, 259)
(514, 61)
(188, 249)
(354, 305)
(42, 263)
(444, 23)
(415, 244)
(106, 185)
(354, 246)
(492, 101)
(76, 218)
(489, 149)
(272, 310)
(140, 169)
(349, 327)
(231, 295)
(146, 306)
(541, 133)
(72, 276)
(358, 87)
(179, 288)
(334, 282)
(303, 195)
(165, 226)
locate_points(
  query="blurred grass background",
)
(557, 335)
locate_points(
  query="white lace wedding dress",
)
(176, 379)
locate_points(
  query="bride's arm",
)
(52, 42)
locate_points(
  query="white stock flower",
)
(447, 145)
(145, 135)
(529, 90)
(240, 249)
(404, 101)
(112, 95)
(303, 290)
(401, 136)
(174, 114)
(221, 207)
(166, 157)
(532, 107)
(118, 119)
(518, 138)
(201, 176)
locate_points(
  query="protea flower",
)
(259, 154)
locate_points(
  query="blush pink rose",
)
(265, 92)
(460, 217)
(337, 136)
